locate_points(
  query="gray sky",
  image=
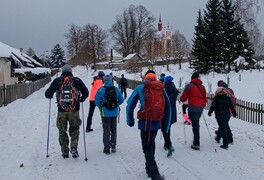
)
(40, 24)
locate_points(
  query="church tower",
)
(160, 24)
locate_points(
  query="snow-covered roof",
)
(130, 56)
(19, 58)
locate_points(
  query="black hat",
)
(150, 71)
(195, 75)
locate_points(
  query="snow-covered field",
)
(23, 137)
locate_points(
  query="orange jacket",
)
(97, 83)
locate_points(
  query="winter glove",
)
(131, 123)
(209, 114)
(81, 99)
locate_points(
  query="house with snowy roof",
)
(11, 58)
(132, 57)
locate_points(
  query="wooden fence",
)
(10, 93)
(246, 111)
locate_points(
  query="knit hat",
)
(101, 73)
(66, 68)
(195, 75)
(150, 76)
(150, 71)
(220, 90)
(223, 84)
(108, 78)
(219, 82)
(168, 79)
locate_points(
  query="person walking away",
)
(111, 74)
(230, 93)
(123, 85)
(96, 84)
(162, 77)
(184, 108)
(108, 99)
(222, 105)
(68, 108)
(172, 93)
(195, 93)
(150, 117)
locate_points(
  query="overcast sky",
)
(40, 24)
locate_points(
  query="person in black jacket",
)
(222, 105)
(123, 85)
(172, 93)
(68, 116)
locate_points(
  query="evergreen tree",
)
(228, 35)
(212, 36)
(198, 48)
(57, 57)
(244, 47)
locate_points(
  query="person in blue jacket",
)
(148, 130)
(109, 116)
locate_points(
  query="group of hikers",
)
(157, 97)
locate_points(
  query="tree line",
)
(224, 31)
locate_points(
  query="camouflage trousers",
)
(74, 124)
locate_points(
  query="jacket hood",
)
(197, 81)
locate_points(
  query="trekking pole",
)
(84, 141)
(47, 155)
(118, 117)
(209, 133)
(184, 131)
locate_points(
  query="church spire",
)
(160, 24)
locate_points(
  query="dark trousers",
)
(109, 131)
(196, 132)
(123, 90)
(90, 115)
(228, 132)
(222, 131)
(167, 139)
(148, 146)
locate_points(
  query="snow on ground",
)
(23, 137)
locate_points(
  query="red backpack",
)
(230, 93)
(154, 104)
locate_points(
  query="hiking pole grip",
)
(84, 141)
(47, 154)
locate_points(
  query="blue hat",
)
(101, 73)
(168, 79)
(108, 78)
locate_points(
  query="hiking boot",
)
(106, 151)
(170, 151)
(113, 149)
(74, 152)
(224, 147)
(195, 147)
(65, 155)
(89, 130)
(217, 140)
(158, 177)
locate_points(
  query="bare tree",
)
(74, 40)
(247, 11)
(130, 29)
(95, 42)
(181, 47)
(150, 44)
(30, 52)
